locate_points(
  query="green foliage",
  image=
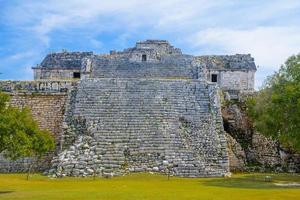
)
(276, 108)
(20, 135)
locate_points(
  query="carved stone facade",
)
(155, 58)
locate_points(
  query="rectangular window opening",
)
(76, 74)
(214, 78)
(144, 57)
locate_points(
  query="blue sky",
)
(269, 29)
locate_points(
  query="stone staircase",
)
(135, 125)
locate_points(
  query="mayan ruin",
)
(147, 108)
(149, 100)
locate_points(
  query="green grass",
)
(147, 186)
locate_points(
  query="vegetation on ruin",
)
(20, 135)
(276, 108)
(147, 186)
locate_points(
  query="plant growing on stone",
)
(20, 135)
(276, 108)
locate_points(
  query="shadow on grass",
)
(5, 192)
(255, 182)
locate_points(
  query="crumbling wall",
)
(47, 108)
(47, 86)
(169, 66)
(60, 65)
(55, 74)
(248, 149)
(233, 80)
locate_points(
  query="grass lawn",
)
(149, 186)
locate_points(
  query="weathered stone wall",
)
(233, 80)
(237, 62)
(152, 49)
(47, 108)
(137, 56)
(169, 66)
(48, 86)
(54, 74)
(160, 46)
(113, 126)
(60, 65)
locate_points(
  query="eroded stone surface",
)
(143, 125)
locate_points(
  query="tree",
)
(20, 135)
(276, 108)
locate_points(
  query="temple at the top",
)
(151, 59)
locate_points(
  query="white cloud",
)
(269, 30)
(42, 17)
(269, 45)
(180, 16)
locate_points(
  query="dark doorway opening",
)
(144, 57)
(214, 78)
(76, 74)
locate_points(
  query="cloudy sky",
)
(29, 29)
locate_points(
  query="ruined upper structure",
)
(151, 59)
(65, 65)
